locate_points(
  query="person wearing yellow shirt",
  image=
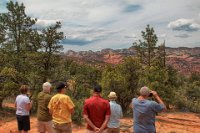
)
(61, 107)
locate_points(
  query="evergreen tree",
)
(16, 28)
(123, 79)
(146, 48)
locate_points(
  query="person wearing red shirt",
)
(96, 112)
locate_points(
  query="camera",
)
(150, 94)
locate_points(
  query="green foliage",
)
(28, 56)
(9, 85)
(77, 116)
(122, 79)
(192, 93)
(146, 48)
(17, 26)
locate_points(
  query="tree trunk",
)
(1, 102)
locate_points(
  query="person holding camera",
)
(23, 106)
(144, 110)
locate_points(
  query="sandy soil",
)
(166, 123)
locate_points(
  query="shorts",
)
(113, 130)
(62, 128)
(23, 122)
(45, 126)
(104, 131)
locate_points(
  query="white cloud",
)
(97, 24)
(130, 36)
(182, 35)
(162, 36)
(184, 25)
(46, 23)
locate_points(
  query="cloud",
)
(45, 23)
(132, 8)
(85, 35)
(182, 35)
(76, 41)
(184, 25)
(131, 36)
(162, 36)
(98, 24)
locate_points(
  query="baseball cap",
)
(97, 88)
(60, 85)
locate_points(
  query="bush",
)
(77, 116)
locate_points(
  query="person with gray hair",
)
(43, 116)
(145, 110)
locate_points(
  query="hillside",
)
(185, 60)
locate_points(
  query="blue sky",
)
(98, 24)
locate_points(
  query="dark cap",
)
(60, 85)
(97, 88)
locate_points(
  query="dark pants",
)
(23, 122)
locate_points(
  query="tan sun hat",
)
(112, 95)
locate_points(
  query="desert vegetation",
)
(32, 55)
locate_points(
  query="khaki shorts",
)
(89, 131)
(62, 128)
(113, 130)
(45, 126)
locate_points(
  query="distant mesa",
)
(185, 60)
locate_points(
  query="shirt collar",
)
(96, 96)
(113, 101)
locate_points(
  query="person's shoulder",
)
(88, 100)
(23, 96)
(48, 96)
(104, 100)
(134, 100)
(118, 104)
(54, 96)
(40, 93)
(18, 95)
(64, 96)
(153, 103)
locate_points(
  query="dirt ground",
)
(175, 122)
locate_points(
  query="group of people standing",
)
(102, 116)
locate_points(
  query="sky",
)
(99, 24)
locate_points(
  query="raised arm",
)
(159, 100)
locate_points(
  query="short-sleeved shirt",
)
(144, 112)
(61, 106)
(96, 108)
(21, 101)
(116, 114)
(42, 110)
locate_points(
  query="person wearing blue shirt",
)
(144, 111)
(116, 114)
